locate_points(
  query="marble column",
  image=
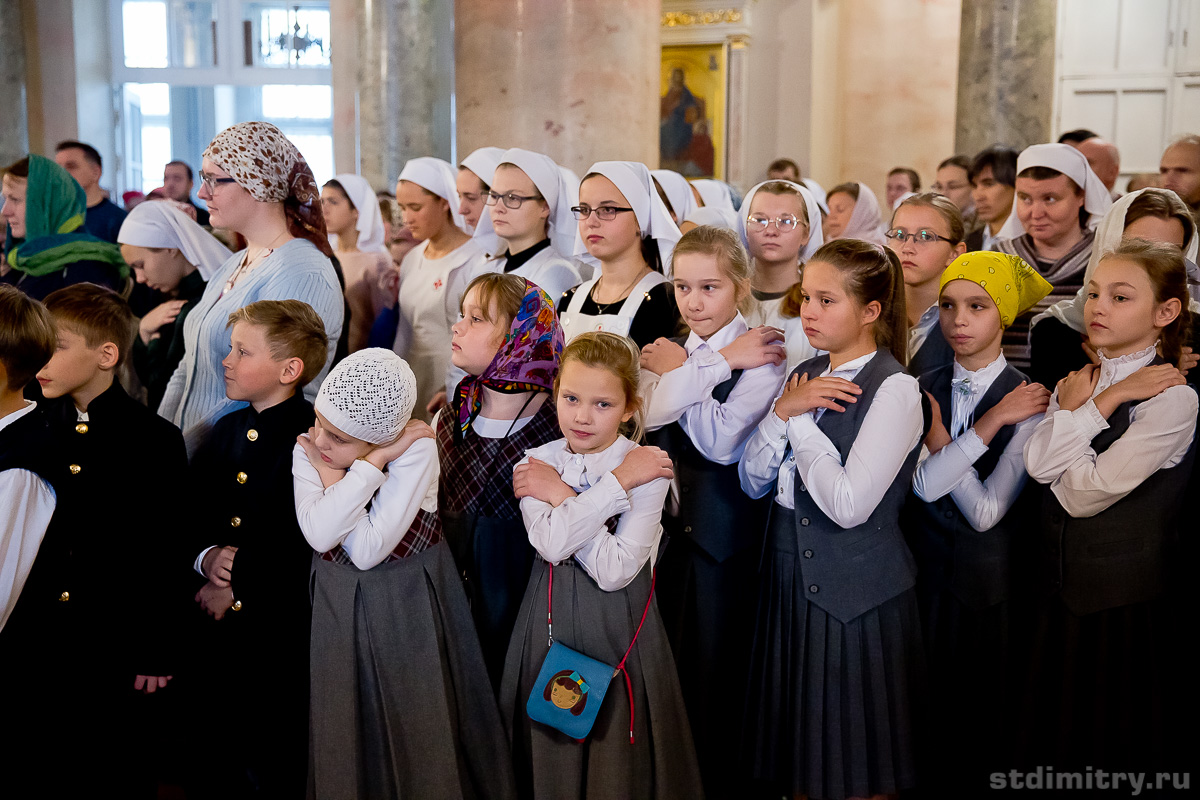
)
(405, 84)
(577, 80)
(1005, 74)
(14, 133)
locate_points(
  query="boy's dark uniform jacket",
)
(100, 588)
(242, 478)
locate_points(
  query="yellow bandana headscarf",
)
(1015, 286)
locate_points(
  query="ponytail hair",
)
(871, 273)
(1165, 267)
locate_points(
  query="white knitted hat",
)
(369, 395)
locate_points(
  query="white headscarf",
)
(1109, 233)
(157, 223)
(715, 193)
(483, 162)
(633, 180)
(1072, 163)
(437, 176)
(370, 221)
(818, 192)
(678, 191)
(816, 237)
(552, 184)
(866, 221)
(904, 196)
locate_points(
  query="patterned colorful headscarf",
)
(1015, 286)
(268, 166)
(526, 362)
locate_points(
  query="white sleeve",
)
(848, 493)
(30, 504)
(719, 430)
(556, 278)
(558, 533)
(339, 515)
(677, 390)
(615, 559)
(758, 468)
(950, 471)
(1158, 437)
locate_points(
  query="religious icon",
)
(692, 110)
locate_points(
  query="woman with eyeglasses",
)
(257, 184)
(527, 224)
(625, 229)
(927, 235)
(780, 224)
(433, 277)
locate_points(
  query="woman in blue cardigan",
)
(255, 183)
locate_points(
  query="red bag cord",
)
(628, 650)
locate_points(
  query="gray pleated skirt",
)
(401, 702)
(834, 708)
(549, 764)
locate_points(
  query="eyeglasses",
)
(785, 224)
(211, 182)
(606, 213)
(921, 237)
(511, 200)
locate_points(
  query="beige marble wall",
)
(1006, 73)
(886, 96)
(575, 79)
(49, 34)
(14, 133)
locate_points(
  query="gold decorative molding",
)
(723, 16)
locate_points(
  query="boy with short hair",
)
(250, 548)
(96, 593)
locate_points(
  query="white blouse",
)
(577, 526)
(718, 430)
(950, 470)
(1059, 452)
(30, 503)
(846, 493)
(550, 270)
(367, 512)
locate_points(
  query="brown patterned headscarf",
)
(268, 166)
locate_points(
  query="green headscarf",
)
(55, 205)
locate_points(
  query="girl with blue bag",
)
(592, 504)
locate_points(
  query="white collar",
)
(721, 339)
(981, 379)
(1117, 369)
(851, 368)
(16, 415)
(584, 470)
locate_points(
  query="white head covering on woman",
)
(437, 176)
(816, 236)
(1109, 234)
(483, 162)
(678, 192)
(866, 220)
(159, 224)
(633, 180)
(551, 183)
(370, 220)
(718, 209)
(1072, 163)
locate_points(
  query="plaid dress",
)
(482, 523)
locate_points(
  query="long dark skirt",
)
(708, 610)
(833, 707)
(548, 764)
(969, 669)
(401, 702)
(1098, 690)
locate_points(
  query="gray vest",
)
(849, 571)
(951, 555)
(1120, 556)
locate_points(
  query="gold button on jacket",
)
(236, 521)
(64, 597)
(81, 428)
(252, 435)
(241, 477)
(75, 469)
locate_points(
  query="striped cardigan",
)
(195, 397)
